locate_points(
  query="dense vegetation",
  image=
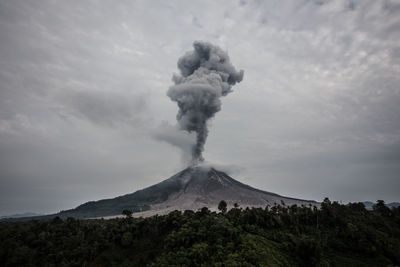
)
(334, 235)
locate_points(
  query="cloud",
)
(229, 169)
(206, 74)
(174, 136)
(107, 109)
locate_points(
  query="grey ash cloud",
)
(206, 74)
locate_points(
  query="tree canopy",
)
(334, 235)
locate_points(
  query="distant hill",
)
(368, 204)
(21, 215)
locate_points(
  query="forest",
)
(277, 235)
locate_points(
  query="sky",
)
(83, 96)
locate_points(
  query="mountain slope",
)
(192, 188)
(202, 187)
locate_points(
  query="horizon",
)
(205, 165)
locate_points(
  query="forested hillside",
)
(335, 235)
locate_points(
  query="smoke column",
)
(206, 74)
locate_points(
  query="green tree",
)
(222, 206)
(126, 239)
(127, 213)
(381, 208)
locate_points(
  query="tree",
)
(126, 239)
(127, 213)
(381, 208)
(222, 206)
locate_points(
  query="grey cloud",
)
(206, 75)
(175, 137)
(104, 108)
(230, 169)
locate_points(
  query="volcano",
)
(191, 189)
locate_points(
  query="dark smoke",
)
(206, 74)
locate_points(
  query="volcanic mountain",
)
(191, 189)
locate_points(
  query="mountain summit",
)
(191, 189)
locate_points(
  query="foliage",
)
(222, 206)
(127, 213)
(334, 235)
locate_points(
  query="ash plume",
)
(206, 74)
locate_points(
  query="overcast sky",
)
(83, 90)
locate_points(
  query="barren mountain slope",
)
(206, 187)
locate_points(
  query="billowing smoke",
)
(206, 74)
